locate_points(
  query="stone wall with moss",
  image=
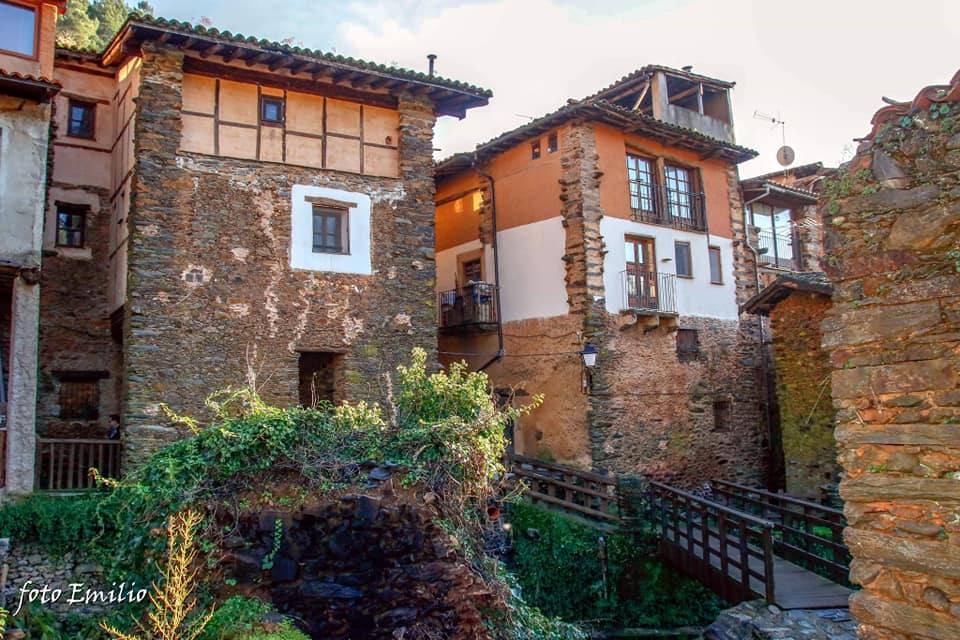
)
(893, 240)
(803, 394)
(213, 299)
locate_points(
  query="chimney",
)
(432, 57)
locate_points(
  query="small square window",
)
(81, 119)
(535, 150)
(552, 143)
(80, 397)
(330, 232)
(716, 270)
(71, 225)
(271, 110)
(684, 260)
(688, 345)
(721, 415)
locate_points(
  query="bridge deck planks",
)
(795, 587)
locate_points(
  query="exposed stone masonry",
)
(803, 391)
(213, 302)
(893, 220)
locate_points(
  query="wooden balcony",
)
(64, 465)
(470, 308)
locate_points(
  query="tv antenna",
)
(785, 154)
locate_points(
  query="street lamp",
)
(589, 355)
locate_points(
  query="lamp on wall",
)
(589, 359)
(589, 355)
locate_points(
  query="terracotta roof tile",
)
(13, 75)
(927, 97)
(145, 20)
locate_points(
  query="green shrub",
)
(559, 570)
(59, 523)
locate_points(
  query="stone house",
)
(893, 335)
(613, 226)
(226, 212)
(802, 442)
(26, 90)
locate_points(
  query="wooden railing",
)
(64, 465)
(583, 493)
(807, 533)
(729, 551)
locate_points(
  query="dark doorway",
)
(319, 377)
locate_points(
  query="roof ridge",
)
(927, 98)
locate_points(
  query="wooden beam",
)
(209, 51)
(683, 94)
(641, 96)
(303, 85)
(280, 62)
(260, 57)
(231, 55)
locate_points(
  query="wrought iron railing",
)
(472, 305)
(64, 465)
(655, 204)
(649, 291)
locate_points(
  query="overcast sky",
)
(822, 65)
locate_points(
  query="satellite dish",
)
(785, 156)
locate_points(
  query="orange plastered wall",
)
(528, 190)
(614, 191)
(457, 222)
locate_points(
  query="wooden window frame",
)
(711, 250)
(71, 210)
(686, 353)
(689, 262)
(553, 142)
(91, 106)
(343, 216)
(36, 9)
(535, 151)
(279, 100)
(652, 186)
(470, 256)
(92, 411)
(692, 182)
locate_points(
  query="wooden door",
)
(641, 273)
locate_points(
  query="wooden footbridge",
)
(743, 543)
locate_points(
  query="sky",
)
(821, 66)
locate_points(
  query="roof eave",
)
(448, 100)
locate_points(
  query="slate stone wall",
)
(649, 412)
(893, 243)
(75, 327)
(213, 302)
(803, 393)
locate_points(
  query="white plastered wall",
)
(531, 269)
(696, 296)
(302, 255)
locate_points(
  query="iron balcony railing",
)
(649, 291)
(656, 204)
(472, 305)
(778, 248)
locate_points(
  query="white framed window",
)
(330, 230)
